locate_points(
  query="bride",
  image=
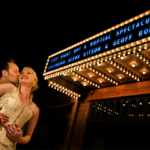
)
(17, 104)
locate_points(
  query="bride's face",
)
(26, 76)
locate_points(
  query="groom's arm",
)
(3, 119)
(6, 88)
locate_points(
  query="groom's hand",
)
(3, 118)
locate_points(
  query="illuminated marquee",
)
(131, 32)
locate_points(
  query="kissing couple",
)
(18, 113)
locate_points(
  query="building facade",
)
(107, 77)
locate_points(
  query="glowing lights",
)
(138, 79)
(101, 33)
(106, 77)
(84, 84)
(122, 57)
(100, 81)
(99, 61)
(63, 90)
(85, 79)
(143, 58)
(124, 105)
(90, 75)
(123, 70)
(133, 64)
(120, 77)
(144, 72)
(113, 56)
(116, 113)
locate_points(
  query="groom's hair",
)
(4, 65)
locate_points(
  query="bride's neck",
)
(25, 91)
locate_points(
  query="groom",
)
(9, 73)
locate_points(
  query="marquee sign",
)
(133, 31)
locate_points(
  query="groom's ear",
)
(4, 73)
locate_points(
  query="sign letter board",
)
(128, 33)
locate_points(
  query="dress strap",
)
(32, 105)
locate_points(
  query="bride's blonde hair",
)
(35, 79)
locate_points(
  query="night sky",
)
(31, 31)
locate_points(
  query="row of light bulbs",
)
(85, 80)
(133, 44)
(94, 62)
(103, 32)
(130, 115)
(110, 110)
(140, 115)
(124, 70)
(147, 62)
(104, 59)
(104, 76)
(124, 104)
(64, 90)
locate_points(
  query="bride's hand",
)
(3, 118)
(14, 132)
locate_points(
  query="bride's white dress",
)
(17, 112)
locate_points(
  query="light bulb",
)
(120, 77)
(144, 72)
(133, 64)
(90, 75)
(98, 64)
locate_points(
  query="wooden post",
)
(69, 131)
(80, 126)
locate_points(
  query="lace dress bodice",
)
(17, 112)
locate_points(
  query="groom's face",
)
(13, 73)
